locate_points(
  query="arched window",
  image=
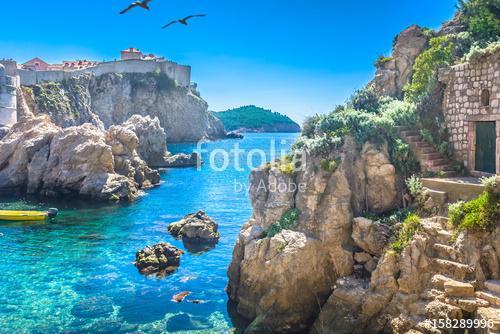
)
(485, 97)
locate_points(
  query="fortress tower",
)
(8, 99)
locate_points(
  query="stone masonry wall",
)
(180, 73)
(472, 95)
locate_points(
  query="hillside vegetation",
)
(256, 119)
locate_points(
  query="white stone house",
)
(471, 109)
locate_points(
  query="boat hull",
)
(23, 215)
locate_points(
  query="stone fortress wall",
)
(180, 73)
(472, 95)
(8, 98)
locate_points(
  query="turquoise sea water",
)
(76, 275)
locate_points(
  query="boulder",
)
(160, 259)
(196, 228)
(370, 236)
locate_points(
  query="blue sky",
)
(298, 57)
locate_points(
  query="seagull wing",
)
(191, 16)
(169, 24)
(128, 8)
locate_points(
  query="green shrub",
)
(330, 165)
(482, 18)
(414, 184)
(288, 221)
(439, 54)
(402, 158)
(411, 226)
(477, 52)
(309, 126)
(364, 100)
(381, 60)
(400, 112)
(479, 214)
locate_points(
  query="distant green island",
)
(256, 119)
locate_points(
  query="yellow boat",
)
(12, 215)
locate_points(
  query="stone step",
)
(414, 139)
(437, 162)
(491, 297)
(400, 128)
(447, 252)
(461, 188)
(467, 304)
(493, 286)
(453, 288)
(408, 133)
(431, 155)
(455, 270)
(427, 150)
(423, 144)
(489, 313)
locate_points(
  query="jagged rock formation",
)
(396, 71)
(280, 282)
(39, 157)
(431, 279)
(111, 99)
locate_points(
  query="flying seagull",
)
(182, 21)
(142, 4)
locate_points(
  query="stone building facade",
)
(471, 108)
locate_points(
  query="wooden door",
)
(486, 147)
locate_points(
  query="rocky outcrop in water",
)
(38, 157)
(394, 72)
(160, 259)
(111, 99)
(280, 282)
(196, 228)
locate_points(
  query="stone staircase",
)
(453, 291)
(430, 159)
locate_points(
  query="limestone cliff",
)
(111, 99)
(280, 282)
(334, 272)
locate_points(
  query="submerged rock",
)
(178, 298)
(196, 228)
(160, 259)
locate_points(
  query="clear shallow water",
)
(75, 275)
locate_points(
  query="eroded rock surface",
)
(39, 157)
